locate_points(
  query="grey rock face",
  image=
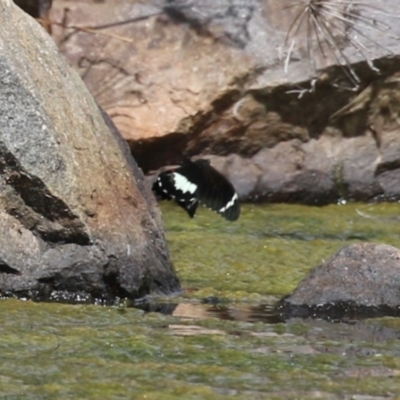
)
(359, 279)
(76, 219)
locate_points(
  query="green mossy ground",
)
(55, 351)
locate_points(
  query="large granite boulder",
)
(76, 220)
(247, 85)
(360, 280)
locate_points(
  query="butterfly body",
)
(197, 182)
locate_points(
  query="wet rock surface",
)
(222, 80)
(77, 221)
(359, 281)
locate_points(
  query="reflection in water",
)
(193, 330)
(346, 311)
(244, 313)
(355, 329)
(269, 313)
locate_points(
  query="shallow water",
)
(219, 339)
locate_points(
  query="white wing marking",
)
(229, 204)
(183, 184)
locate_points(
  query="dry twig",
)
(329, 26)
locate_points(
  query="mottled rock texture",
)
(359, 280)
(76, 220)
(209, 79)
(38, 9)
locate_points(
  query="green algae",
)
(272, 247)
(55, 351)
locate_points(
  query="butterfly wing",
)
(174, 185)
(216, 192)
(163, 186)
(196, 182)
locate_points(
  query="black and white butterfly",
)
(197, 182)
